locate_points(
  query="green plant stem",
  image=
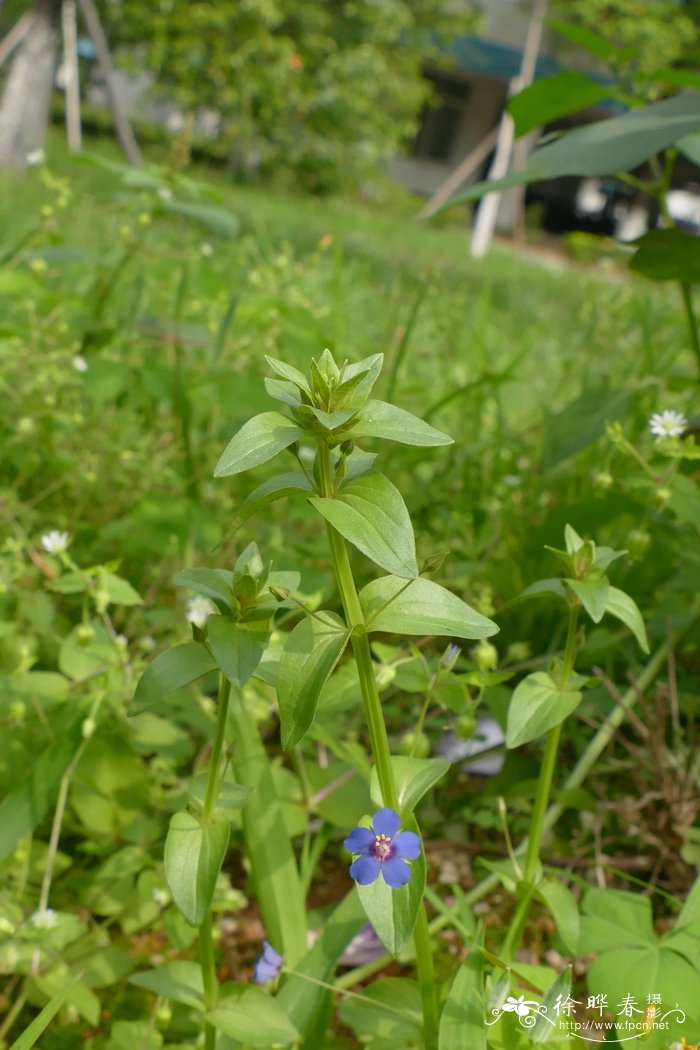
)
(691, 319)
(378, 737)
(207, 959)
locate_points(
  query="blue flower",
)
(268, 965)
(382, 849)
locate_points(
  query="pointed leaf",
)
(289, 373)
(558, 992)
(389, 1011)
(211, 583)
(667, 255)
(179, 981)
(170, 671)
(536, 706)
(420, 607)
(41, 1022)
(237, 647)
(380, 420)
(605, 147)
(463, 1021)
(552, 97)
(194, 853)
(615, 919)
(251, 1016)
(413, 778)
(310, 654)
(564, 910)
(391, 912)
(626, 610)
(370, 512)
(593, 595)
(258, 440)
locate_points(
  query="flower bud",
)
(603, 481)
(385, 676)
(17, 711)
(88, 728)
(466, 727)
(85, 634)
(450, 657)
(638, 542)
(486, 656)
(416, 745)
(661, 496)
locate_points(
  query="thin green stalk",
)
(207, 959)
(378, 738)
(692, 320)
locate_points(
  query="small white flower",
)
(206, 249)
(79, 363)
(55, 542)
(44, 919)
(160, 896)
(165, 193)
(36, 156)
(668, 423)
(199, 610)
(517, 1006)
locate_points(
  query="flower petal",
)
(406, 845)
(360, 840)
(365, 869)
(268, 965)
(395, 872)
(386, 822)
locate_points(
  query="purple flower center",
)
(382, 848)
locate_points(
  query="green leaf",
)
(27, 804)
(557, 993)
(179, 981)
(549, 98)
(36, 1028)
(300, 998)
(126, 1035)
(237, 647)
(564, 910)
(371, 514)
(310, 654)
(392, 912)
(120, 591)
(169, 671)
(274, 871)
(230, 799)
(289, 373)
(636, 971)
(667, 255)
(381, 420)
(211, 583)
(537, 705)
(258, 440)
(689, 145)
(194, 853)
(615, 919)
(552, 585)
(221, 222)
(389, 1010)
(625, 609)
(420, 607)
(605, 147)
(463, 1021)
(593, 595)
(293, 483)
(413, 778)
(252, 1017)
(685, 499)
(582, 422)
(597, 45)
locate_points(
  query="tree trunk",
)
(24, 110)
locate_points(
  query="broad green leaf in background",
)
(689, 145)
(413, 778)
(381, 420)
(179, 980)
(564, 910)
(605, 147)
(593, 595)
(393, 912)
(119, 591)
(310, 654)
(251, 1016)
(389, 1011)
(169, 671)
(126, 1035)
(300, 998)
(549, 98)
(667, 255)
(221, 222)
(237, 647)
(421, 607)
(625, 609)
(211, 583)
(685, 499)
(597, 45)
(581, 422)
(371, 514)
(194, 853)
(23, 808)
(615, 919)
(274, 871)
(538, 704)
(463, 1021)
(258, 440)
